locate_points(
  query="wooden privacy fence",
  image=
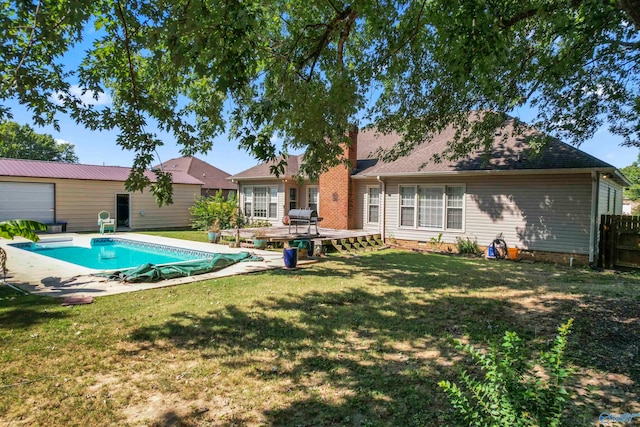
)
(619, 244)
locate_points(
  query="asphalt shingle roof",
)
(212, 177)
(509, 153)
(263, 169)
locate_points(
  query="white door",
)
(27, 200)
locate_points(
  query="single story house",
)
(213, 179)
(548, 204)
(74, 194)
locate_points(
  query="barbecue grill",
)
(306, 217)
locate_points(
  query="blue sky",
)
(100, 148)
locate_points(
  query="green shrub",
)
(467, 246)
(515, 391)
(258, 224)
(213, 211)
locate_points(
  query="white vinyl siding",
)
(609, 198)
(537, 212)
(361, 207)
(77, 202)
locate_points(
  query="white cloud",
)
(87, 97)
(61, 141)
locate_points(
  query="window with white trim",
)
(261, 201)
(248, 198)
(373, 204)
(407, 206)
(438, 207)
(312, 193)
(293, 198)
(273, 202)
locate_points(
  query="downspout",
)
(383, 218)
(595, 193)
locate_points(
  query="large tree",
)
(22, 142)
(308, 70)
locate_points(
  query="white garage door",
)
(27, 200)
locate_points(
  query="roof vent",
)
(498, 132)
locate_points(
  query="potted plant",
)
(259, 240)
(213, 214)
(214, 232)
(237, 222)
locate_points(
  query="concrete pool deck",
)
(41, 275)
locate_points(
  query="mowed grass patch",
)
(346, 341)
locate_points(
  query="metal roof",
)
(57, 170)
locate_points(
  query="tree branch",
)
(27, 50)
(322, 43)
(345, 34)
(127, 46)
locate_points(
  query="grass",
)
(346, 341)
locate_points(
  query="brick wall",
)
(336, 192)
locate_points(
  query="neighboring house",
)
(213, 178)
(548, 204)
(53, 192)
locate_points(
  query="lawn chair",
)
(106, 222)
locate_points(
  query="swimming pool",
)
(110, 253)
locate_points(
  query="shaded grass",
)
(347, 341)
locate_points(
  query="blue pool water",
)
(113, 253)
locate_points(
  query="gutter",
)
(383, 223)
(593, 235)
(562, 171)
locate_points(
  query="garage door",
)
(27, 200)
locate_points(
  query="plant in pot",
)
(213, 214)
(259, 240)
(237, 221)
(214, 232)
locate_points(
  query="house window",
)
(273, 202)
(407, 206)
(313, 198)
(373, 204)
(248, 193)
(455, 206)
(430, 213)
(293, 198)
(260, 197)
(261, 202)
(438, 207)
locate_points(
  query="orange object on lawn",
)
(512, 253)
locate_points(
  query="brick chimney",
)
(337, 195)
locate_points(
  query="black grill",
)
(306, 217)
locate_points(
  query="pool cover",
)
(155, 273)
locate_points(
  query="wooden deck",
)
(343, 241)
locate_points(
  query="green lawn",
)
(346, 341)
